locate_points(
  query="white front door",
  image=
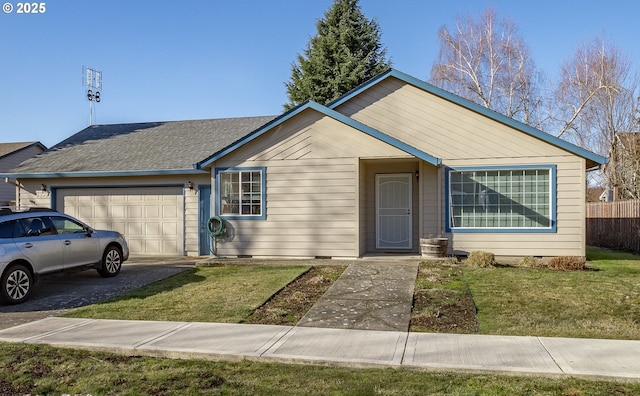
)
(393, 211)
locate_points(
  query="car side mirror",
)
(89, 231)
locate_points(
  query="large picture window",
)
(501, 198)
(241, 192)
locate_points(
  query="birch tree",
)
(486, 61)
(597, 109)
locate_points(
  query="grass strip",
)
(45, 370)
(225, 294)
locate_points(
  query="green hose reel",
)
(216, 226)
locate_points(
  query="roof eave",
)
(51, 175)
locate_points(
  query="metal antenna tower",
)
(92, 79)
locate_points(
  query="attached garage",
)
(151, 218)
(139, 179)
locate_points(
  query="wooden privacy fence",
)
(614, 225)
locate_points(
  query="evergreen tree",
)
(345, 52)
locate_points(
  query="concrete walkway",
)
(369, 295)
(607, 359)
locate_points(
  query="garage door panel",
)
(118, 212)
(85, 211)
(99, 210)
(169, 229)
(153, 245)
(169, 212)
(135, 211)
(152, 229)
(135, 228)
(151, 218)
(136, 244)
(152, 211)
(169, 245)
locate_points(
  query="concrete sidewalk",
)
(607, 359)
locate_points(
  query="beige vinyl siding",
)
(310, 211)
(462, 138)
(314, 201)
(313, 135)
(364, 222)
(431, 212)
(191, 220)
(8, 190)
(439, 127)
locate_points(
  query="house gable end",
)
(312, 135)
(368, 89)
(300, 144)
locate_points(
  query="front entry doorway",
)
(393, 211)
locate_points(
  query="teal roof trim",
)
(563, 144)
(49, 175)
(330, 113)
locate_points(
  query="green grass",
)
(225, 294)
(600, 303)
(45, 370)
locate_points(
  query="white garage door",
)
(151, 218)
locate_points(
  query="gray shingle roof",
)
(143, 146)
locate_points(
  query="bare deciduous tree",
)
(625, 156)
(487, 62)
(597, 105)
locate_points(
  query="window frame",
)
(240, 170)
(552, 228)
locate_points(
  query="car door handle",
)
(28, 245)
(67, 242)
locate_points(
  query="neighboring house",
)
(388, 163)
(11, 154)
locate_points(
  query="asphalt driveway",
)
(58, 293)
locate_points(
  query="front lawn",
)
(601, 302)
(226, 294)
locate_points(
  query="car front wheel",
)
(17, 283)
(111, 262)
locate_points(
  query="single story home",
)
(12, 154)
(388, 163)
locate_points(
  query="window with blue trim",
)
(501, 198)
(241, 192)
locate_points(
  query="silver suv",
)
(40, 240)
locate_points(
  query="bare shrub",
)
(567, 263)
(530, 262)
(481, 259)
